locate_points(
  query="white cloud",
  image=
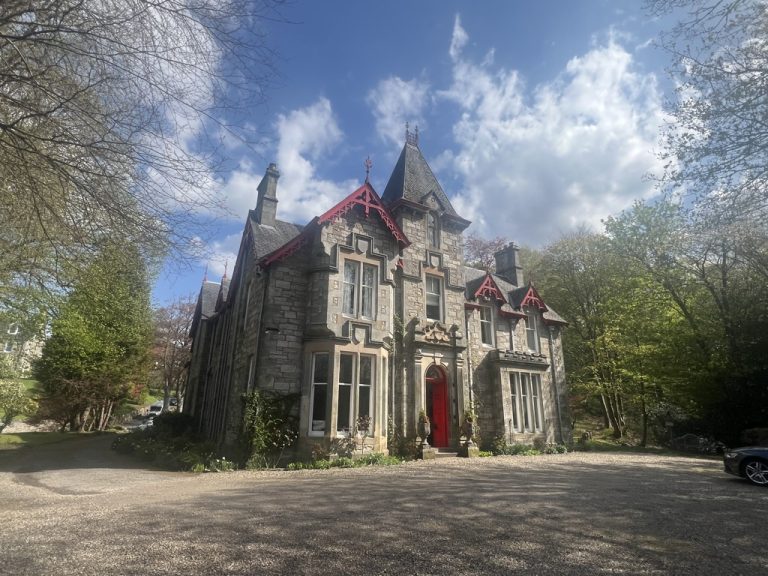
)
(458, 40)
(221, 256)
(566, 153)
(396, 101)
(306, 136)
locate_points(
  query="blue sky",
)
(537, 117)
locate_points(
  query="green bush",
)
(485, 453)
(501, 448)
(376, 459)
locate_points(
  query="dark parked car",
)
(750, 462)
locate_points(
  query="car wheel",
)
(756, 472)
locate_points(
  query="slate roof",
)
(209, 293)
(412, 179)
(267, 239)
(514, 294)
(206, 304)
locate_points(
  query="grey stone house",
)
(369, 310)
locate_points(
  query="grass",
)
(22, 439)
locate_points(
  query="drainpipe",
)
(554, 384)
(469, 357)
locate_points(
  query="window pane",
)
(319, 393)
(535, 400)
(364, 401)
(366, 364)
(524, 401)
(433, 298)
(321, 368)
(345, 368)
(530, 329)
(514, 386)
(368, 291)
(342, 419)
(350, 285)
(486, 332)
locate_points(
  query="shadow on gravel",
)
(546, 517)
(79, 452)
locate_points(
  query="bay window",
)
(354, 397)
(319, 394)
(527, 412)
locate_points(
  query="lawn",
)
(22, 439)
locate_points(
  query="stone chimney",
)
(266, 205)
(508, 264)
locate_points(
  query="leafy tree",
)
(172, 346)
(478, 252)
(722, 298)
(716, 143)
(98, 353)
(14, 399)
(103, 108)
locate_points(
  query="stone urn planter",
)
(424, 428)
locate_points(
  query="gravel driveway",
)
(77, 508)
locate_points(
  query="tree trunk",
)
(606, 418)
(644, 408)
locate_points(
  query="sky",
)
(537, 118)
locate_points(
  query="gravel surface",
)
(78, 508)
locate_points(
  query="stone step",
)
(446, 453)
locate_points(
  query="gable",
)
(365, 198)
(369, 201)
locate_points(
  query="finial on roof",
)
(226, 265)
(205, 274)
(411, 138)
(368, 165)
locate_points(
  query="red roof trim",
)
(366, 197)
(489, 288)
(533, 299)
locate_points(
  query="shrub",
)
(555, 449)
(269, 428)
(499, 447)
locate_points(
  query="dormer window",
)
(532, 330)
(486, 326)
(13, 328)
(433, 230)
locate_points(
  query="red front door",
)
(437, 406)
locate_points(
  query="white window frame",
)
(314, 386)
(527, 403)
(532, 330)
(347, 428)
(486, 326)
(363, 295)
(8, 348)
(439, 294)
(13, 328)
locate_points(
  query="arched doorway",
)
(437, 405)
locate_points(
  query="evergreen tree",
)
(98, 353)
